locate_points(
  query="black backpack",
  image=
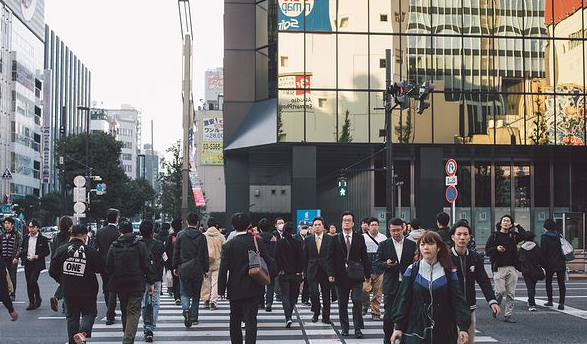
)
(127, 264)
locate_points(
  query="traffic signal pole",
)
(389, 167)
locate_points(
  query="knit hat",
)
(549, 225)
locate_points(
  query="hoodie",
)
(191, 244)
(415, 234)
(215, 241)
(530, 260)
(550, 244)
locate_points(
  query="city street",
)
(548, 325)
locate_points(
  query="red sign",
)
(451, 167)
(302, 84)
(451, 194)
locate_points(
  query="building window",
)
(382, 63)
(383, 17)
(398, 56)
(126, 156)
(125, 132)
(400, 18)
(322, 102)
(284, 61)
(126, 145)
(127, 168)
(344, 22)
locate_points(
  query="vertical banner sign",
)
(212, 136)
(314, 14)
(199, 199)
(47, 116)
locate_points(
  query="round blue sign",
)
(451, 194)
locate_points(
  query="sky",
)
(133, 48)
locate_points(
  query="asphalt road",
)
(547, 325)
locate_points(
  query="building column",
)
(236, 171)
(303, 179)
(430, 186)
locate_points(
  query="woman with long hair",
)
(430, 304)
(289, 259)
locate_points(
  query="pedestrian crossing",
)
(213, 327)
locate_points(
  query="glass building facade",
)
(509, 101)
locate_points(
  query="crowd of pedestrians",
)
(425, 278)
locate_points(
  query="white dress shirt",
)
(32, 246)
(399, 248)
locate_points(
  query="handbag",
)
(567, 248)
(192, 269)
(257, 267)
(355, 271)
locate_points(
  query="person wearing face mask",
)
(303, 233)
(278, 233)
(430, 306)
(502, 250)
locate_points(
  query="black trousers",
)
(77, 306)
(31, 273)
(531, 287)
(355, 289)
(244, 310)
(324, 288)
(562, 289)
(305, 291)
(109, 297)
(388, 299)
(12, 269)
(289, 296)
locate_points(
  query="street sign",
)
(79, 181)
(451, 167)
(100, 189)
(342, 187)
(451, 194)
(79, 194)
(6, 209)
(79, 207)
(451, 180)
(79, 215)
(7, 174)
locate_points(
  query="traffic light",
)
(423, 94)
(400, 95)
(342, 187)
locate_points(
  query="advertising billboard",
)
(212, 136)
(314, 15)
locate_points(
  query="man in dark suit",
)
(243, 292)
(393, 257)
(104, 239)
(316, 247)
(35, 248)
(348, 254)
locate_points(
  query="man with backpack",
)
(129, 263)
(74, 266)
(191, 264)
(150, 305)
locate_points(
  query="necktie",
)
(318, 243)
(348, 245)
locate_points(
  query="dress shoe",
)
(207, 304)
(30, 306)
(358, 334)
(109, 321)
(54, 304)
(561, 306)
(186, 319)
(548, 304)
(509, 319)
(326, 321)
(315, 318)
(268, 308)
(38, 303)
(364, 312)
(375, 317)
(344, 332)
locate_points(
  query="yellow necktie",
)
(318, 242)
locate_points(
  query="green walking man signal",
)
(343, 187)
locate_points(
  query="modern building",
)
(209, 159)
(303, 102)
(125, 125)
(67, 87)
(21, 97)
(148, 165)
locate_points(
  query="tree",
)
(137, 193)
(345, 135)
(50, 208)
(170, 181)
(405, 132)
(103, 158)
(540, 134)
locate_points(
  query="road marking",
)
(579, 313)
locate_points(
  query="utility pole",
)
(185, 15)
(389, 168)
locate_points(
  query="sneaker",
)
(212, 306)
(532, 309)
(109, 321)
(364, 312)
(12, 297)
(30, 306)
(54, 304)
(186, 318)
(375, 317)
(509, 319)
(268, 308)
(561, 306)
(80, 338)
(548, 304)
(288, 323)
(149, 337)
(177, 302)
(207, 304)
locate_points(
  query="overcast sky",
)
(133, 49)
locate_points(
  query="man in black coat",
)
(129, 264)
(35, 248)
(554, 262)
(393, 257)
(75, 265)
(316, 248)
(347, 257)
(233, 278)
(191, 264)
(157, 250)
(104, 238)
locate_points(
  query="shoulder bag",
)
(355, 270)
(257, 267)
(567, 248)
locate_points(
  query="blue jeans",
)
(155, 300)
(190, 296)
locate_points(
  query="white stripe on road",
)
(579, 313)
